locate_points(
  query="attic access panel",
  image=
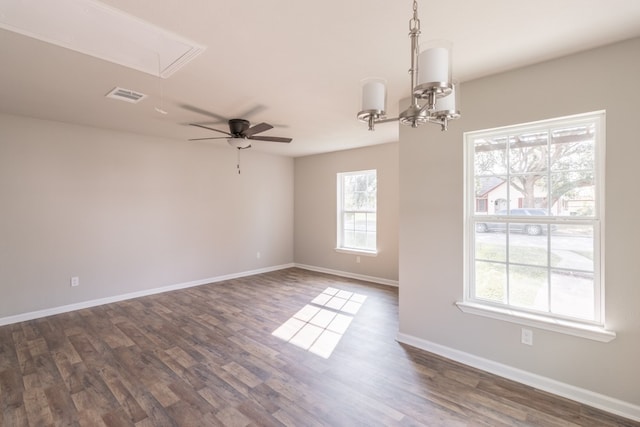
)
(95, 29)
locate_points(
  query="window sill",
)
(357, 252)
(591, 332)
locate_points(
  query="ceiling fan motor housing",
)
(238, 126)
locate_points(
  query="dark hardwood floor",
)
(207, 356)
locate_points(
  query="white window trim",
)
(577, 329)
(590, 330)
(357, 252)
(339, 217)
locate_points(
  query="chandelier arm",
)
(392, 119)
(442, 121)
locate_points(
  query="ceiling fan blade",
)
(215, 137)
(253, 111)
(260, 127)
(218, 117)
(207, 127)
(270, 138)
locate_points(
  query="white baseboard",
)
(108, 300)
(350, 275)
(590, 398)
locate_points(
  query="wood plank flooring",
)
(206, 356)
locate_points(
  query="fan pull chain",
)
(238, 162)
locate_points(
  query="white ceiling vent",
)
(126, 95)
(93, 28)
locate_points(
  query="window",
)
(357, 211)
(533, 211)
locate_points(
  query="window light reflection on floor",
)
(319, 325)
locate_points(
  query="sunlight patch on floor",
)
(319, 325)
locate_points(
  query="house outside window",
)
(533, 249)
(481, 204)
(357, 205)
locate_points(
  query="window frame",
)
(340, 211)
(592, 329)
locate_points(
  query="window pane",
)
(350, 202)
(528, 152)
(491, 281)
(528, 192)
(572, 294)
(572, 247)
(490, 246)
(490, 156)
(348, 196)
(489, 192)
(527, 249)
(360, 239)
(360, 221)
(349, 183)
(528, 287)
(350, 239)
(349, 221)
(573, 153)
(361, 183)
(573, 193)
(572, 148)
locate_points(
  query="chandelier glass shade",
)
(431, 83)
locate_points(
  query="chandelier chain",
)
(414, 23)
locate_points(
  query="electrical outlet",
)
(75, 281)
(527, 336)
(258, 255)
(358, 259)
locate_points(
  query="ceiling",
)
(295, 64)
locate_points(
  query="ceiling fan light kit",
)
(431, 82)
(239, 143)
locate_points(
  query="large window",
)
(533, 213)
(357, 211)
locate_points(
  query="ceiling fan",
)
(241, 133)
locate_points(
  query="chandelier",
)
(431, 82)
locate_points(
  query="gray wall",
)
(431, 218)
(315, 210)
(127, 213)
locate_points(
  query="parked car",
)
(518, 227)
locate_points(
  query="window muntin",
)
(357, 206)
(533, 212)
